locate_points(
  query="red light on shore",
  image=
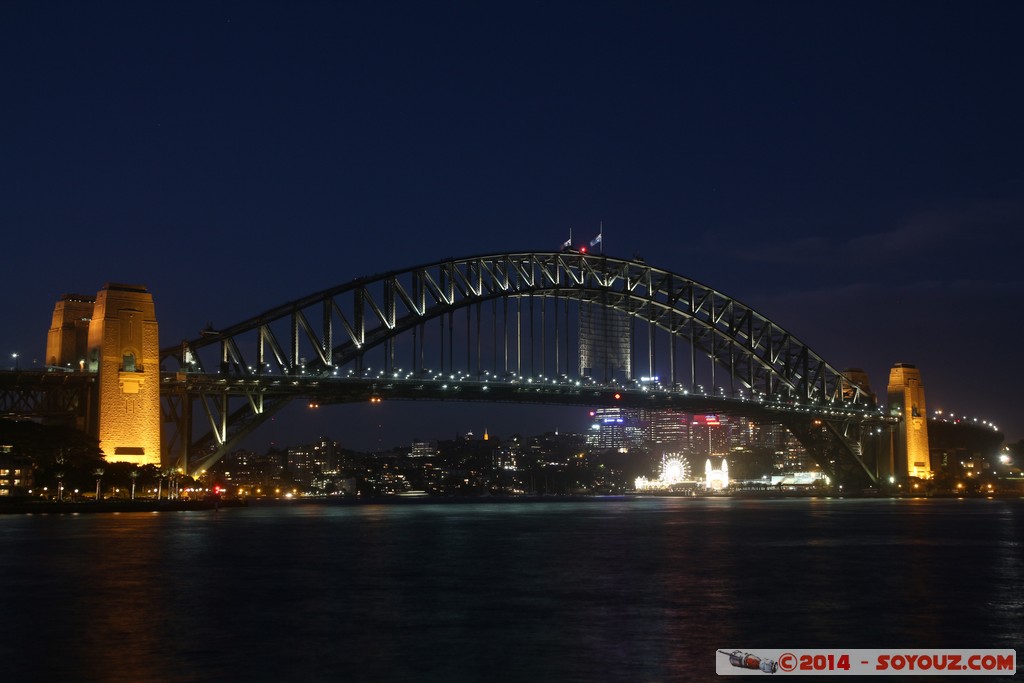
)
(618, 396)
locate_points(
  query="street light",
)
(15, 356)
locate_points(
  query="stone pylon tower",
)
(124, 352)
(68, 339)
(906, 399)
(114, 336)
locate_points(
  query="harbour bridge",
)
(560, 328)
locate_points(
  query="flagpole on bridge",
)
(599, 239)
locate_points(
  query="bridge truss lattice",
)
(509, 323)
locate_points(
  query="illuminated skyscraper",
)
(906, 399)
(616, 428)
(666, 427)
(709, 434)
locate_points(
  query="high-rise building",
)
(305, 462)
(906, 400)
(605, 343)
(709, 434)
(327, 454)
(667, 427)
(15, 472)
(617, 428)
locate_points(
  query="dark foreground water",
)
(614, 590)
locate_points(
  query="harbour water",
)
(597, 590)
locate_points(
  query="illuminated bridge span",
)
(560, 328)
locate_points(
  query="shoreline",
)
(31, 507)
(20, 507)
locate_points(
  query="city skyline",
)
(850, 173)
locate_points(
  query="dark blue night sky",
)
(854, 171)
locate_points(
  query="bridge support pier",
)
(114, 337)
(847, 462)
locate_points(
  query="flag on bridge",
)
(599, 239)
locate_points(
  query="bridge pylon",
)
(906, 401)
(114, 337)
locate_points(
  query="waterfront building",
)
(245, 468)
(798, 480)
(789, 454)
(15, 472)
(716, 474)
(673, 474)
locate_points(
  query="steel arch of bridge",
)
(311, 338)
